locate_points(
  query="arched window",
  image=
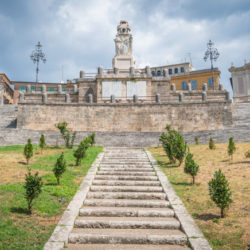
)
(170, 71)
(182, 69)
(153, 73)
(176, 70)
(158, 73)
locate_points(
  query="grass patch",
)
(18, 230)
(231, 232)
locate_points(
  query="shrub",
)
(42, 143)
(174, 145)
(196, 140)
(231, 147)
(59, 168)
(220, 192)
(66, 135)
(28, 151)
(191, 167)
(211, 143)
(33, 187)
(247, 154)
(80, 152)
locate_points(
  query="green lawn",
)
(18, 230)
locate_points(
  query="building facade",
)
(240, 81)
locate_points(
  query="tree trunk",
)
(193, 180)
(58, 181)
(222, 213)
(27, 161)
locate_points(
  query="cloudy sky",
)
(78, 34)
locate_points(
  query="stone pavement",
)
(126, 202)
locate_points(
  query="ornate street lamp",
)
(211, 53)
(36, 56)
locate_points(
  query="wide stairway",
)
(126, 208)
(8, 116)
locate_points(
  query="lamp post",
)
(36, 56)
(211, 53)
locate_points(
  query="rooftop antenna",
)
(190, 58)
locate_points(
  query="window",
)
(184, 85)
(64, 89)
(182, 69)
(194, 84)
(158, 73)
(176, 70)
(51, 89)
(153, 73)
(210, 82)
(41, 89)
(22, 89)
(33, 88)
(170, 71)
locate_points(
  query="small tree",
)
(33, 187)
(231, 147)
(191, 167)
(28, 151)
(211, 143)
(220, 192)
(66, 135)
(59, 168)
(42, 143)
(92, 136)
(196, 140)
(174, 145)
(247, 154)
(80, 152)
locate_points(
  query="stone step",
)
(127, 223)
(126, 195)
(123, 247)
(128, 236)
(126, 203)
(126, 212)
(152, 173)
(150, 169)
(126, 188)
(132, 165)
(138, 178)
(125, 182)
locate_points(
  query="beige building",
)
(240, 81)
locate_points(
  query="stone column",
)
(189, 86)
(21, 97)
(135, 99)
(67, 98)
(29, 89)
(59, 89)
(204, 87)
(148, 71)
(100, 71)
(173, 87)
(75, 88)
(204, 96)
(44, 98)
(132, 71)
(112, 98)
(227, 96)
(181, 97)
(82, 74)
(44, 89)
(221, 87)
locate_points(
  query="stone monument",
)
(123, 59)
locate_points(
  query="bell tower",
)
(123, 59)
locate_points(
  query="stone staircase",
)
(126, 208)
(8, 116)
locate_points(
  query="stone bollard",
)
(221, 87)
(148, 71)
(204, 87)
(227, 96)
(100, 71)
(21, 97)
(112, 98)
(116, 71)
(173, 87)
(135, 98)
(181, 97)
(157, 98)
(44, 89)
(44, 97)
(75, 88)
(67, 98)
(132, 71)
(82, 74)
(59, 89)
(204, 96)
(29, 89)
(189, 86)
(90, 98)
